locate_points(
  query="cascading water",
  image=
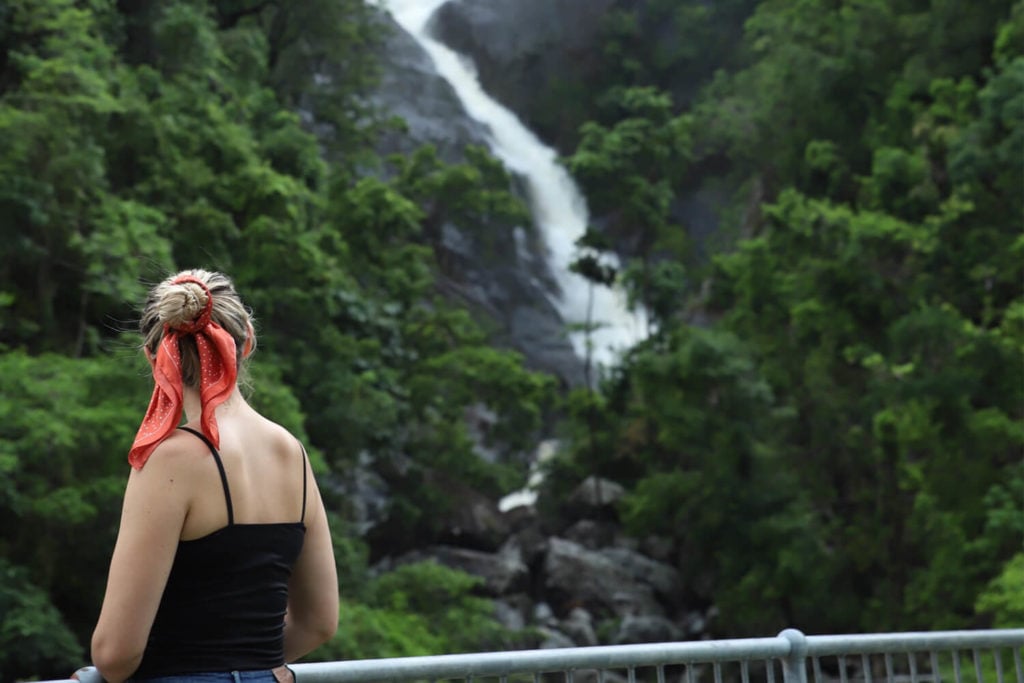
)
(557, 206)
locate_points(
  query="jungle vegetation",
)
(829, 406)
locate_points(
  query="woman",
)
(223, 567)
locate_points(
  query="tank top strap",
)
(223, 474)
(305, 459)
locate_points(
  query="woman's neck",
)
(193, 405)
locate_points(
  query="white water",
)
(527, 496)
(558, 208)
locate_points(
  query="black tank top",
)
(224, 604)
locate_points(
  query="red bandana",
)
(218, 370)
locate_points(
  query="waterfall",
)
(558, 208)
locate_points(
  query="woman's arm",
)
(155, 505)
(312, 617)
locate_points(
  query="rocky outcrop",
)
(525, 50)
(574, 575)
(502, 572)
(595, 495)
(647, 628)
(410, 89)
(567, 581)
(508, 282)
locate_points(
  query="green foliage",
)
(472, 195)
(875, 286)
(1004, 595)
(417, 609)
(62, 457)
(144, 137)
(635, 162)
(629, 171)
(33, 636)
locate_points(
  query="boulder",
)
(544, 615)
(662, 578)
(577, 577)
(595, 495)
(597, 492)
(590, 534)
(365, 491)
(658, 548)
(579, 626)
(474, 521)
(511, 611)
(553, 638)
(502, 572)
(697, 624)
(647, 628)
(532, 545)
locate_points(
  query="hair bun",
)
(181, 304)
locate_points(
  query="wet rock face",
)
(411, 89)
(511, 289)
(524, 48)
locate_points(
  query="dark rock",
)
(511, 611)
(474, 522)
(540, 328)
(521, 517)
(553, 638)
(410, 88)
(626, 542)
(367, 494)
(577, 577)
(525, 50)
(502, 572)
(579, 626)
(532, 544)
(543, 614)
(647, 628)
(661, 577)
(658, 548)
(510, 284)
(595, 493)
(697, 623)
(590, 534)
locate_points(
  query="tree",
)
(629, 173)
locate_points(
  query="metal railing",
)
(923, 657)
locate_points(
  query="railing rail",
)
(992, 656)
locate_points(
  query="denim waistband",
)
(259, 676)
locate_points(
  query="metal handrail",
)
(791, 648)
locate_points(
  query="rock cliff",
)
(528, 52)
(512, 291)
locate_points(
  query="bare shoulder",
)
(180, 454)
(280, 440)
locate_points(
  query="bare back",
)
(265, 469)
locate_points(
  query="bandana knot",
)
(218, 372)
(202, 320)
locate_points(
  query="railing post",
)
(794, 666)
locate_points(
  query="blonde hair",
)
(172, 305)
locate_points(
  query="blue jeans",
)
(261, 676)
